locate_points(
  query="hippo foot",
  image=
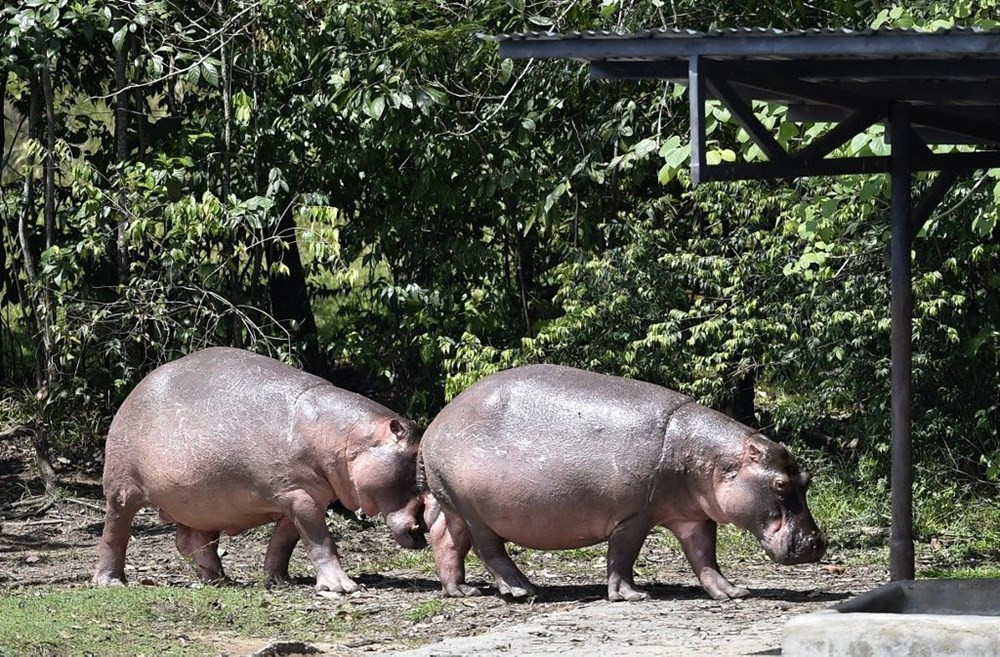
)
(340, 585)
(106, 579)
(460, 591)
(732, 593)
(516, 592)
(627, 594)
(278, 579)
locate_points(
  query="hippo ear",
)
(754, 452)
(397, 428)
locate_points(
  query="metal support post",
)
(696, 98)
(901, 539)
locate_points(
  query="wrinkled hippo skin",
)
(223, 440)
(554, 458)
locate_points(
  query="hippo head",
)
(764, 492)
(384, 477)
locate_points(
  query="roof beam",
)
(674, 70)
(856, 123)
(979, 69)
(951, 162)
(744, 114)
(829, 94)
(930, 200)
(903, 44)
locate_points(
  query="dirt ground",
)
(570, 614)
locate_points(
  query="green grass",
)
(986, 571)
(427, 609)
(138, 620)
(420, 561)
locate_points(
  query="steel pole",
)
(901, 336)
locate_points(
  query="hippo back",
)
(547, 436)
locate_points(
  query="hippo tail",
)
(421, 473)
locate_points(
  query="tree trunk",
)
(37, 310)
(290, 303)
(226, 89)
(121, 151)
(139, 102)
(525, 274)
(741, 405)
(5, 279)
(45, 470)
(50, 149)
(26, 217)
(40, 441)
(3, 165)
(263, 155)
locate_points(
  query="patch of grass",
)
(427, 609)
(985, 571)
(418, 561)
(139, 620)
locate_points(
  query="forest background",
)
(366, 190)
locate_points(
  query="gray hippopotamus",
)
(223, 440)
(554, 458)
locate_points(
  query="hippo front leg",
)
(309, 519)
(698, 540)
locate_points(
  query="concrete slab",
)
(925, 618)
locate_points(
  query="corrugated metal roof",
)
(755, 44)
(766, 32)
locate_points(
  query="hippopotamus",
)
(223, 440)
(554, 458)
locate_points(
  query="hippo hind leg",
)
(450, 542)
(624, 545)
(490, 548)
(202, 548)
(698, 541)
(279, 551)
(122, 505)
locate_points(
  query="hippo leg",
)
(698, 541)
(310, 522)
(623, 549)
(450, 542)
(202, 548)
(121, 509)
(490, 548)
(279, 550)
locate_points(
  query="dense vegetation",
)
(365, 189)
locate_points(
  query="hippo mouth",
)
(789, 547)
(407, 530)
(412, 540)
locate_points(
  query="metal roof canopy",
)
(928, 88)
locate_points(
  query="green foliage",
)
(447, 213)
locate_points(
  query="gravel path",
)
(678, 621)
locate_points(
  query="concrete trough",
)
(923, 618)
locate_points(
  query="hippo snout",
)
(406, 528)
(411, 540)
(801, 548)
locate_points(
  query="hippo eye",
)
(779, 485)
